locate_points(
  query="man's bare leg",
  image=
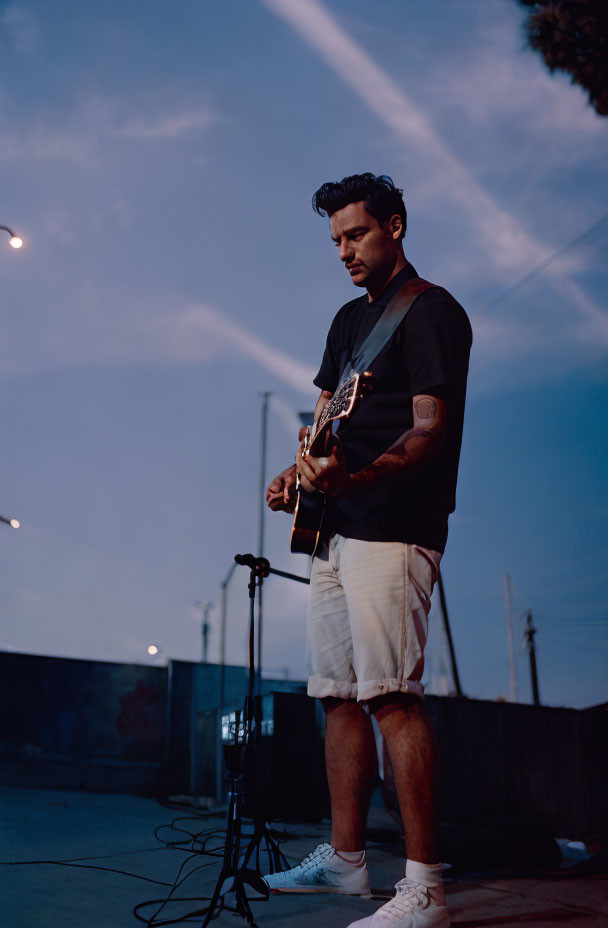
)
(412, 746)
(351, 762)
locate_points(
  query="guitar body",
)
(307, 522)
(310, 507)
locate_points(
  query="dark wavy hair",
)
(380, 197)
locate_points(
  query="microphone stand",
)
(240, 756)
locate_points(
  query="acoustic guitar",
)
(310, 507)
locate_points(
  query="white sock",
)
(352, 857)
(429, 875)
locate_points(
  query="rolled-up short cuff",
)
(321, 687)
(370, 688)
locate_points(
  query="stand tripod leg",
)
(232, 850)
(275, 856)
(242, 903)
(214, 901)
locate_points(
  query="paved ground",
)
(117, 832)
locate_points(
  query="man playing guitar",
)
(389, 477)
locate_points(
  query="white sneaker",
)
(323, 871)
(412, 907)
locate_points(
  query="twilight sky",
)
(158, 160)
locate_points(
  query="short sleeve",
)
(329, 374)
(437, 342)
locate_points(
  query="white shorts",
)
(368, 618)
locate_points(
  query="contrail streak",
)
(510, 246)
(198, 321)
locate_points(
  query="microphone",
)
(255, 563)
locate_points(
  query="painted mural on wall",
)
(58, 707)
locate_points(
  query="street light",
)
(14, 241)
(14, 523)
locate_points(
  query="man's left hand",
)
(327, 472)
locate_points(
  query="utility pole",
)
(529, 634)
(204, 607)
(261, 513)
(512, 675)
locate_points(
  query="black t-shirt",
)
(428, 353)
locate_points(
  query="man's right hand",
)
(281, 492)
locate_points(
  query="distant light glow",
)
(152, 649)
(15, 241)
(15, 523)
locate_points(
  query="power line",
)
(545, 264)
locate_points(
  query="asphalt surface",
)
(74, 834)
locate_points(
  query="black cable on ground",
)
(63, 863)
(209, 842)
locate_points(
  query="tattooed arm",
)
(412, 452)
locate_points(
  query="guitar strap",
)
(395, 311)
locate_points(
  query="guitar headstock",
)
(343, 401)
(352, 391)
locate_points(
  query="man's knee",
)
(406, 703)
(332, 703)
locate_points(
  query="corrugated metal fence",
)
(133, 728)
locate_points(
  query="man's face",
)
(367, 249)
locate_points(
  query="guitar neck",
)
(309, 510)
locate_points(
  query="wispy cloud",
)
(503, 80)
(168, 127)
(508, 245)
(86, 128)
(47, 143)
(151, 331)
